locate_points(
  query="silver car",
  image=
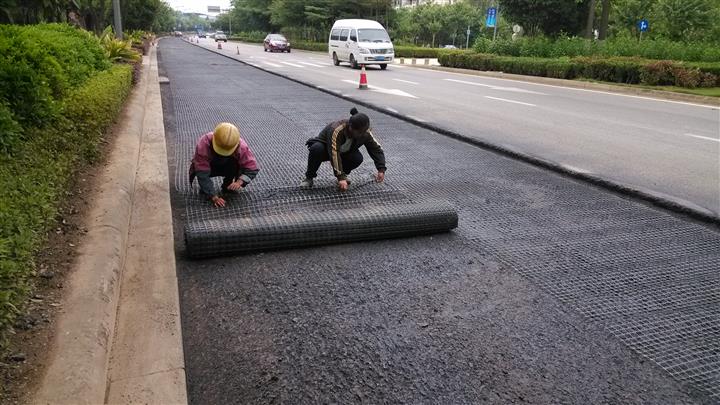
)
(220, 36)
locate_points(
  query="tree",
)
(627, 13)
(164, 18)
(604, 21)
(550, 17)
(590, 20)
(684, 19)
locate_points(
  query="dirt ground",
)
(24, 360)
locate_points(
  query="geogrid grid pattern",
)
(650, 277)
(271, 213)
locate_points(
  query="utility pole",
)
(117, 19)
(467, 42)
(497, 20)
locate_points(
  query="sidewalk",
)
(119, 339)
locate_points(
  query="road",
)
(671, 149)
(549, 291)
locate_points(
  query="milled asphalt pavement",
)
(550, 290)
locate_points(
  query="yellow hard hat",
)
(226, 139)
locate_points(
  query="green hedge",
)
(39, 65)
(658, 49)
(618, 70)
(35, 177)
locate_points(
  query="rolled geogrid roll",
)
(212, 238)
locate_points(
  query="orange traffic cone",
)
(219, 45)
(363, 79)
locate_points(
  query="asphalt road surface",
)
(549, 291)
(669, 148)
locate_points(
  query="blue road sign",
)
(643, 25)
(491, 19)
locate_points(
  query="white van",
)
(360, 42)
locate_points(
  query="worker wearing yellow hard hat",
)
(222, 153)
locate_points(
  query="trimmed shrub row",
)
(659, 49)
(39, 65)
(35, 178)
(618, 70)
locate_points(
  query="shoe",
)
(306, 184)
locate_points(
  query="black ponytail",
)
(358, 120)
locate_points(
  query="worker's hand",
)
(342, 185)
(218, 201)
(380, 177)
(235, 185)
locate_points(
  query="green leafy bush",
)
(253, 37)
(39, 65)
(118, 50)
(417, 52)
(659, 49)
(9, 128)
(36, 176)
(618, 69)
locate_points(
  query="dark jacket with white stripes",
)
(336, 133)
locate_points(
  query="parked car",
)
(360, 42)
(450, 47)
(276, 42)
(220, 36)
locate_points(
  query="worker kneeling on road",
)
(222, 153)
(339, 143)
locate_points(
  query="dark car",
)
(276, 42)
(201, 34)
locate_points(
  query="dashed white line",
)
(271, 64)
(510, 101)
(405, 81)
(713, 107)
(501, 88)
(703, 137)
(293, 64)
(311, 64)
(394, 92)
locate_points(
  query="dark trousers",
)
(226, 167)
(318, 153)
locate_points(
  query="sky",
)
(197, 6)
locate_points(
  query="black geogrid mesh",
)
(273, 212)
(652, 278)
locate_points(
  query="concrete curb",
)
(147, 363)
(78, 369)
(575, 84)
(425, 62)
(660, 200)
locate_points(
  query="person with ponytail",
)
(339, 143)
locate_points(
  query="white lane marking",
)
(703, 137)
(391, 110)
(510, 101)
(713, 107)
(398, 65)
(405, 81)
(271, 64)
(292, 64)
(394, 92)
(310, 64)
(490, 86)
